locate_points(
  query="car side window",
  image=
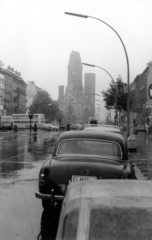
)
(70, 225)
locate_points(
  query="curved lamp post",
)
(128, 72)
(91, 65)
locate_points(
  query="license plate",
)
(82, 178)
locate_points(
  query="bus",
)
(22, 121)
(6, 122)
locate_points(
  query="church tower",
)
(75, 74)
(75, 105)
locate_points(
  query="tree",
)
(43, 103)
(116, 89)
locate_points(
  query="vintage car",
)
(83, 155)
(105, 209)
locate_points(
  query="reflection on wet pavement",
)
(20, 150)
(24, 150)
(143, 156)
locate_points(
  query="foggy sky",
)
(37, 39)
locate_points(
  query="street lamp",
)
(91, 65)
(127, 60)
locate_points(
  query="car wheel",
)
(47, 205)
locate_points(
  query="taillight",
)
(42, 179)
(63, 188)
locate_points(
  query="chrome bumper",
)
(50, 197)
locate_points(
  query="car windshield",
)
(91, 147)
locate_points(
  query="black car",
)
(83, 155)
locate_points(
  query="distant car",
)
(80, 126)
(107, 209)
(48, 127)
(73, 127)
(83, 155)
(62, 127)
(139, 129)
(55, 127)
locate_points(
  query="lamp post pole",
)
(91, 65)
(127, 59)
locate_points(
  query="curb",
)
(139, 174)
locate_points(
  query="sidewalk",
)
(139, 174)
(142, 158)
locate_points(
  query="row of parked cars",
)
(92, 178)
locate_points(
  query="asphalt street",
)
(21, 156)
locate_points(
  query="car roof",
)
(97, 135)
(109, 208)
(110, 189)
(104, 128)
(111, 136)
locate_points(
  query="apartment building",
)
(12, 92)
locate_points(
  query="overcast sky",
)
(37, 38)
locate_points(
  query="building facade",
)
(75, 103)
(2, 93)
(89, 91)
(12, 92)
(141, 87)
(31, 91)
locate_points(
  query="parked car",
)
(139, 129)
(62, 127)
(83, 155)
(55, 127)
(73, 127)
(107, 209)
(48, 127)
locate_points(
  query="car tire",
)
(47, 205)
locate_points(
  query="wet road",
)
(21, 151)
(21, 156)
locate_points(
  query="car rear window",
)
(70, 225)
(120, 223)
(90, 147)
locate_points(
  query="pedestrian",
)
(68, 126)
(150, 127)
(146, 128)
(35, 127)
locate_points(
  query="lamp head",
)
(90, 65)
(76, 14)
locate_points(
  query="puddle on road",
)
(23, 151)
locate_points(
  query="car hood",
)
(62, 169)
